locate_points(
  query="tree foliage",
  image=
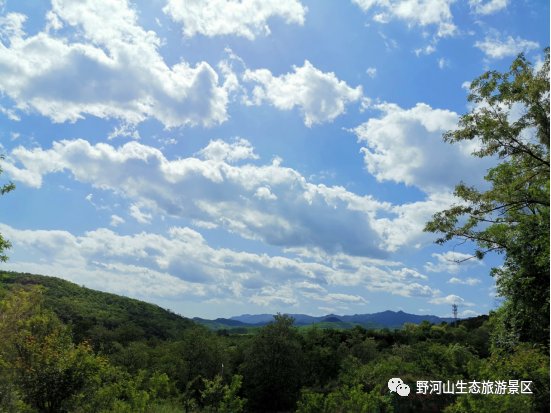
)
(276, 368)
(4, 243)
(273, 367)
(510, 122)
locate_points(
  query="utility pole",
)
(454, 311)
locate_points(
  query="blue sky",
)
(224, 157)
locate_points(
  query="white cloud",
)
(452, 262)
(371, 72)
(405, 290)
(247, 18)
(219, 150)
(414, 12)
(450, 299)
(495, 47)
(181, 263)
(427, 50)
(405, 273)
(100, 259)
(335, 298)
(469, 281)
(104, 65)
(11, 26)
(116, 220)
(405, 224)
(487, 6)
(468, 313)
(10, 113)
(406, 146)
(126, 130)
(270, 203)
(404, 282)
(321, 97)
(275, 295)
(264, 193)
(139, 215)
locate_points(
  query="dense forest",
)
(65, 348)
(69, 348)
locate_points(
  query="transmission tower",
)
(454, 312)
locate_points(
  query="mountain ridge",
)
(382, 319)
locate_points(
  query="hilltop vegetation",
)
(85, 359)
(98, 317)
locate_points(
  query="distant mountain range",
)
(385, 319)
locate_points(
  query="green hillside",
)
(100, 317)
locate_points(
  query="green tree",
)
(509, 121)
(39, 355)
(273, 369)
(42, 370)
(15, 308)
(344, 399)
(524, 363)
(4, 243)
(218, 397)
(197, 355)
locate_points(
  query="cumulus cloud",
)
(406, 146)
(449, 299)
(246, 18)
(139, 215)
(468, 313)
(219, 150)
(405, 224)
(413, 12)
(495, 46)
(182, 263)
(99, 259)
(275, 295)
(104, 65)
(485, 7)
(403, 281)
(452, 262)
(116, 220)
(270, 203)
(320, 96)
(468, 281)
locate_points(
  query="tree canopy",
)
(4, 243)
(510, 121)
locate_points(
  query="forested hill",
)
(100, 317)
(104, 353)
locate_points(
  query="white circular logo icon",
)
(397, 385)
